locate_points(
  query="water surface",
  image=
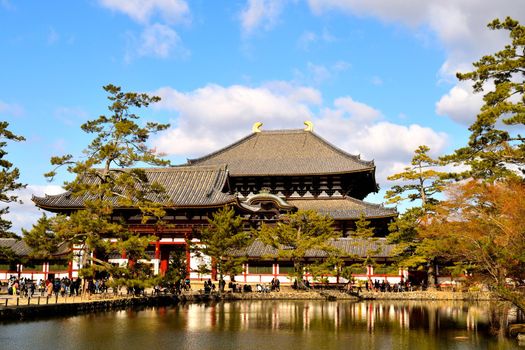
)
(269, 325)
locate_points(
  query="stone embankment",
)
(283, 295)
(26, 309)
(26, 312)
(428, 295)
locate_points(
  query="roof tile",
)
(185, 186)
(284, 152)
(343, 208)
(362, 248)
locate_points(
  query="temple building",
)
(263, 175)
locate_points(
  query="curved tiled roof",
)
(20, 248)
(185, 186)
(284, 153)
(344, 208)
(353, 247)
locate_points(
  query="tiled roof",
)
(356, 247)
(20, 248)
(343, 208)
(185, 186)
(284, 152)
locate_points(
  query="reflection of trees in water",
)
(432, 317)
(302, 325)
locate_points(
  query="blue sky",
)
(376, 77)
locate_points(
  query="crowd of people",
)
(65, 286)
(28, 288)
(378, 286)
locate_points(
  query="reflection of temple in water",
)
(339, 317)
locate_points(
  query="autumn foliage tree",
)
(482, 225)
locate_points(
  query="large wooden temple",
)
(263, 175)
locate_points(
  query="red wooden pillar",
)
(69, 269)
(188, 261)
(164, 258)
(214, 269)
(157, 250)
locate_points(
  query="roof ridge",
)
(191, 162)
(375, 205)
(357, 158)
(343, 152)
(173, 168)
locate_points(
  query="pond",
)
(271, 325)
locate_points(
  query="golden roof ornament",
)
(309, 126)
(257, 127)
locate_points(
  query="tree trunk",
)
(299, 270)
(516, 298)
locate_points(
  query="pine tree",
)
(42, 238)
(298, 233)
(106, 177)
(224, 236)
(495, 148)
(421, 181)
(363, 228)
(8, 179)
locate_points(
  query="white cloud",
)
(316, 74)
(6, 4)
(377, 81)
(160, 41)
(460, 26)
(156, 40)
(52, 36)
(359, 129)
(214, 116)
(11, 109)
(357, 111)
(309, 38)
(461, 104)
(142, 11)
(26, 214)
(260, 13)
(70, 116)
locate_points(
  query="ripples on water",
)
(271, 325)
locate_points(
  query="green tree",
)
(421, 181)
(8, 255)
(363, 228)
(495, 146)
(8, 179)
(298, 233)
(223, 238)
(404, 233)
(105, 177)
(41, 238)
